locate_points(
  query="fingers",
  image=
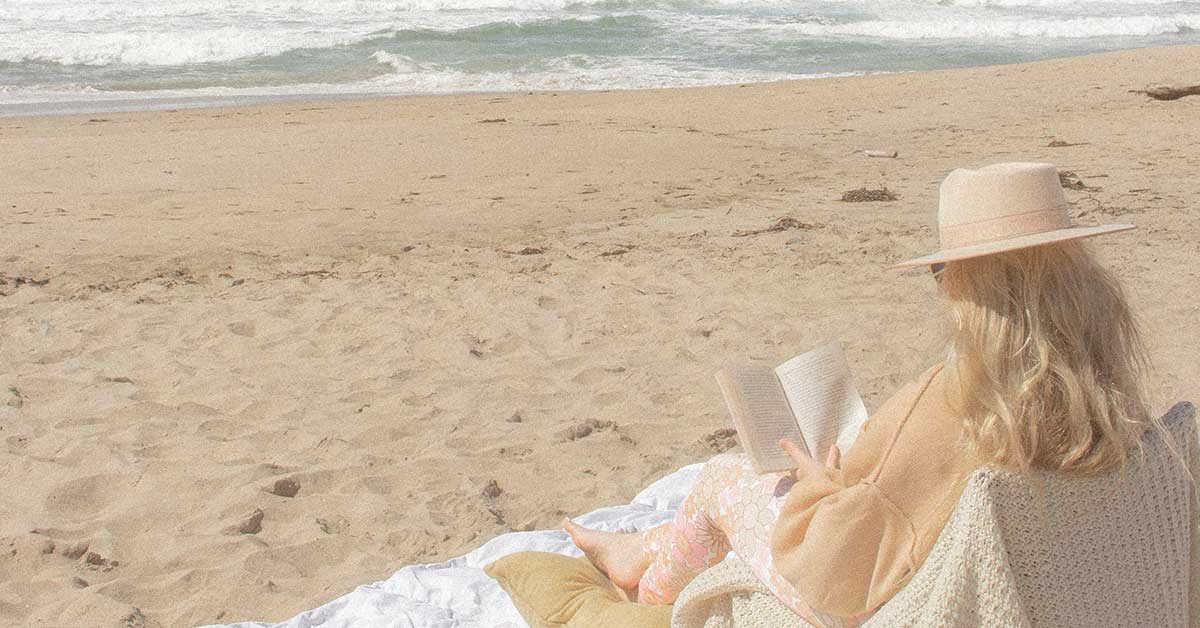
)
(804, 463)
(834, 459)
(793, 451)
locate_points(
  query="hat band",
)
(1003, 227)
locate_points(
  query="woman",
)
(1042, 373)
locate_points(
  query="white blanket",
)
(457, 594)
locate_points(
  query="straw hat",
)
(1003, 207)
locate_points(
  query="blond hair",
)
(1048, 359)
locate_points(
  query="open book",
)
(809, 399)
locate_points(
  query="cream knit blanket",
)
(1051, 551)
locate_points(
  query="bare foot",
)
(617, 554)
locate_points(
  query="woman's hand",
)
(805, 465)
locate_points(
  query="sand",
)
(383, 306)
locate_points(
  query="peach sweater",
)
(848, 539)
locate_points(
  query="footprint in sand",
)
(17, 443)
(219, 429)
(508, 343)
(55, 356)
(664, 398)
(591, 375)
(568, 363)
(606, 399)
(83, 497)
(585, 429)
(447, 509)
(378, 484)
(243, 328)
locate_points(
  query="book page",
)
(761, 415)
(821, 393)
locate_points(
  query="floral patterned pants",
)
(730, 507)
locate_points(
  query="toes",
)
(578, 534)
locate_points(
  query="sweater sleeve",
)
(841, 538)
(854, 545)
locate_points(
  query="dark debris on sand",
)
(585, 429)
(285, 487)
(529, 250)
(620, 249)
(1071, 181)
(1169, 92)
(721, 440)
(492, 490)
(867, 195)
(250, 525)
(783, 224)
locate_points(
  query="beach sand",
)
(389, 304)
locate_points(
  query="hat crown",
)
(1000, 201)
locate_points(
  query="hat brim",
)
(1011, 244)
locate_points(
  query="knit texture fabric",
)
(1046, 551)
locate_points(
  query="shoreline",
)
(217, 101)
(137, 105)
(403, 304)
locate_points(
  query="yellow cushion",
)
(556, 591)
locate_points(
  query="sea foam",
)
(1005, 28)
(130, 49)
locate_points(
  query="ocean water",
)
(92, 52)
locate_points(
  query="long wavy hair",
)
(1049, 360)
